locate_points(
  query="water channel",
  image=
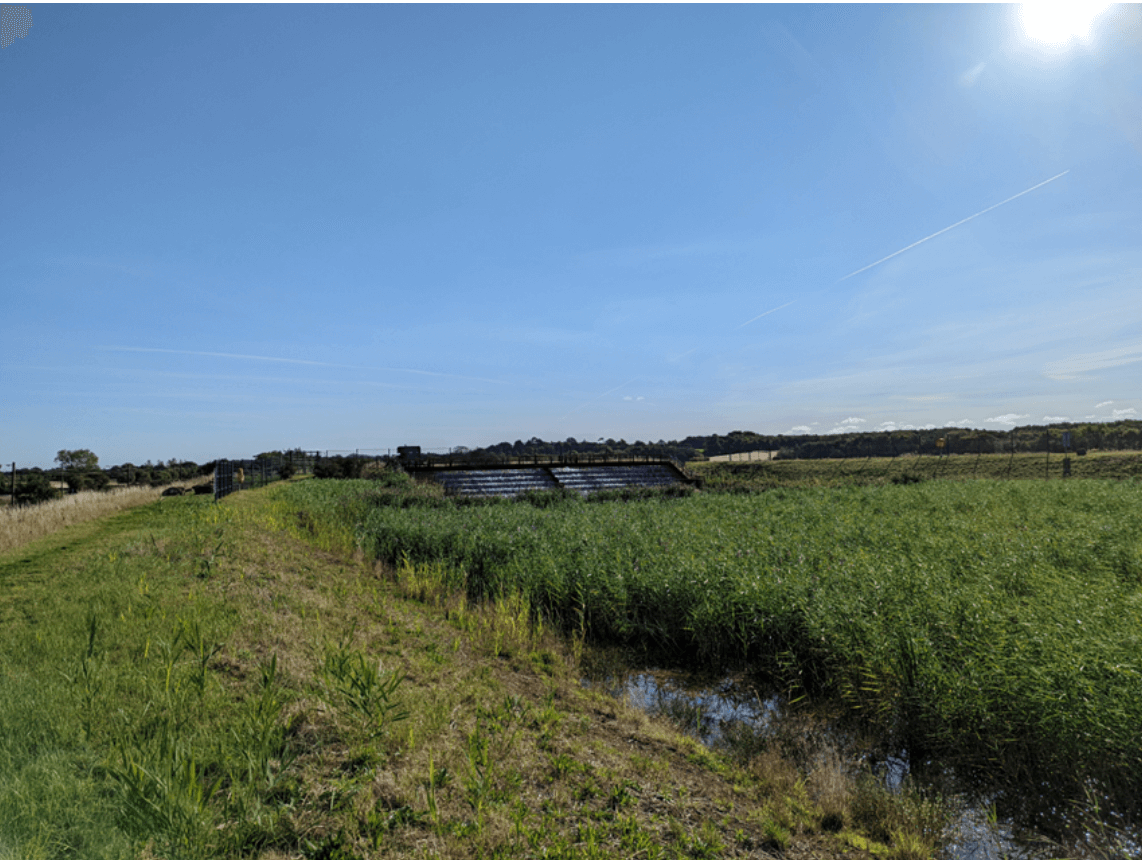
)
(723, 711)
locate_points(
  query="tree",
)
(80, 460)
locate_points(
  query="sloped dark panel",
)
(584, 479)
(496, 482)
(592, 479)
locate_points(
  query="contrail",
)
(954, 226)
(302, 361)
(598, 397)
(767, 313)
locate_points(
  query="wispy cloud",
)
(953, 226)
(638, 255)
(969, 77)
(801, 428)
(87, 262)
(1104, 403)
(1076, 365)
(279, 360)
(1124, 413)
(1010, 419)
(854, 421)
(1052, 419)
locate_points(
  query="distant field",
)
(874, 471)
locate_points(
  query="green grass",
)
(991, 624)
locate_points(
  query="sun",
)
(1056, 22)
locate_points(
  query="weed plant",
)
(992, 625)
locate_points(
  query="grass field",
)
(992, 625)
(190, 679)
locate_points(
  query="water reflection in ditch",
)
(716, 712)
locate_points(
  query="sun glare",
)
(1056, 23)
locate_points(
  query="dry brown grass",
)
(744, 456)
(19, 526)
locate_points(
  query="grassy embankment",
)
(875, 471)
(191, 679)
(991, 625)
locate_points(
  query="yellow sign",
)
(940, 442)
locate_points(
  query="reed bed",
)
(991, 624)
(20, 525)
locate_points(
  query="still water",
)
(718, 711)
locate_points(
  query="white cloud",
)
(1051, 419)
(963, 422)
(801, 428)
(1010, 419)
(1104, 403)
(853, 421)
(887, 425)
(1122, 413)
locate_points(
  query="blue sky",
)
(229, 229)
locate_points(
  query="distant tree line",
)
(602, 448)
(1114, 436)
(79, 469)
